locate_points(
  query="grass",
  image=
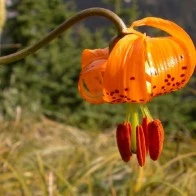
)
(45, 158)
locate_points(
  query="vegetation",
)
(47, 158)
(46, 83)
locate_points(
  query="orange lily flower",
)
(137, 69)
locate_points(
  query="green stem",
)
(63, 27)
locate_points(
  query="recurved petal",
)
(90, 87)
(167, 26)
(90, 83)
(178, 34)
(125, 78)
(167, 65)
(88, 56)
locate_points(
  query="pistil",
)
(133, 117)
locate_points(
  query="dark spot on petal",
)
(184, 67)
(172, 79)
(132, 78)
(154, 87)
(168, 75)
(168, 84)
(116, 91)
(126, 89)
(182, 75)
(166, 80)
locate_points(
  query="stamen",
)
(145, 122)
(156, 138)
(123, 138)
(141, 147)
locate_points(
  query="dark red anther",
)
(145, 122)
(123, 138)
(141, 146)
(155, 138)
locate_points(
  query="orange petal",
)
(156, 138)
(90, 83)
(89, 56)
(167, 65)
(182, 38)
(125, 78)
(141, 146)
(123, 138)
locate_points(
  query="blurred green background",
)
(43, 88)
(46, 83)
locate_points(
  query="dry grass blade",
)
(48, 158)
(19, 177)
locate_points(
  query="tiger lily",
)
(137, 69)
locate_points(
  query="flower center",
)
(132, 116)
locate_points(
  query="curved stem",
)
(63, 27)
